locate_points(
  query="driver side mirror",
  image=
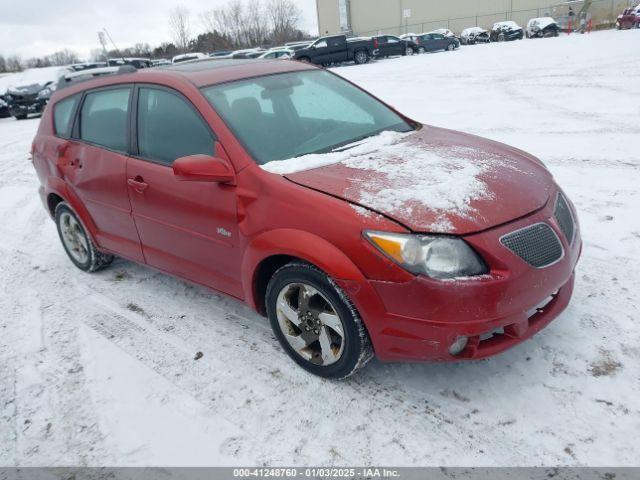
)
(203, 168)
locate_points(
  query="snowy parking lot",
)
(100, 369)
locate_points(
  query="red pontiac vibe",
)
(355, 229)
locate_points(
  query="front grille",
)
(538, 245)
(564, 217)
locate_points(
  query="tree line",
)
(235, 25)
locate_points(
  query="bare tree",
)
(180, 28)
(284, 18)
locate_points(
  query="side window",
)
(393, 39)
(321, 44)
(63, 116)
(170, 128)
(103, 118)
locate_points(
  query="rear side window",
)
(170, 128)
(103, 118)
(63, 116)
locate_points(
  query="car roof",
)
(201, 73)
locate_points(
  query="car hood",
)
(25, 89)
(431, 180)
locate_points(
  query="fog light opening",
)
(458, 346)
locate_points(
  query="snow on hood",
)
(432, 180)
(543, 22)
(34, 76)
(473, 30)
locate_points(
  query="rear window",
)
(104, 116)
(63, 116)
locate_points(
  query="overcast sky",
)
(40, 27)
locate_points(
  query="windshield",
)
(283, 116)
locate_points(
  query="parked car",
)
(630, 18)
(337, 49)
(473, 35)
(284, 53)
(187, 57)
(29, 91)
(389, 45)
(506, 31)
(134, 62)
(77, 67)
(542, 28)
(4, 108)
(158, 62)
(220, 53)
(358, 247)
(432, 42)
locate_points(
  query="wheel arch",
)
(271, 250)
(56, 191)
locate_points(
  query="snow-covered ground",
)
(99, 369)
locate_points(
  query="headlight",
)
(45, 92)
(436, 257)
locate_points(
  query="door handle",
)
(137, 184)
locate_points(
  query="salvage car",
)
(543, 27)
(630, 18)
(473, 35)
(337, 49)
(506, 31)
(355, 229)
(390, 45)
(30, 90)
(4, 108)
(284, 53)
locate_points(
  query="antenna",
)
(114, 45)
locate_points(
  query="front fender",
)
(296, 243)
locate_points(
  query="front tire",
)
(421, 50)
(77, 243)
(315, 322)
(451, 47)
(20, 117)
(408, 52)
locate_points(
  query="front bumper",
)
(36, 107)
(420, 319)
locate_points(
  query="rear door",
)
(186, 228)
(395, 45)
(331, 49)
(93, 162)
(440, 42)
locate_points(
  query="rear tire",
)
(315, 322)
(361, 57)
(21, 117)
(77, 243)
(451, 47)
(408, 52)
(421, 50)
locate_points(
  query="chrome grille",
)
(538, 245)
(564, 217)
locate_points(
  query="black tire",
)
(357, 350)
(95, 259)
(408, 52)
(451, 47)
(501, 38)
(360, 57)
(421, 50)
(20, 117)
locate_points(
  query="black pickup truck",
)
(337, 49)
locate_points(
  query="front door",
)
(94, 162)
(186, 228)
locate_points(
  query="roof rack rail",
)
(90, 74)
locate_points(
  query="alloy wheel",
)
(74, 238)
(310, 324)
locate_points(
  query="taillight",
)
(375, 43)
(33, 149)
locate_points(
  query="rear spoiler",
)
(86, 75)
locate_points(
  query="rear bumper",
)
(420, 320)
